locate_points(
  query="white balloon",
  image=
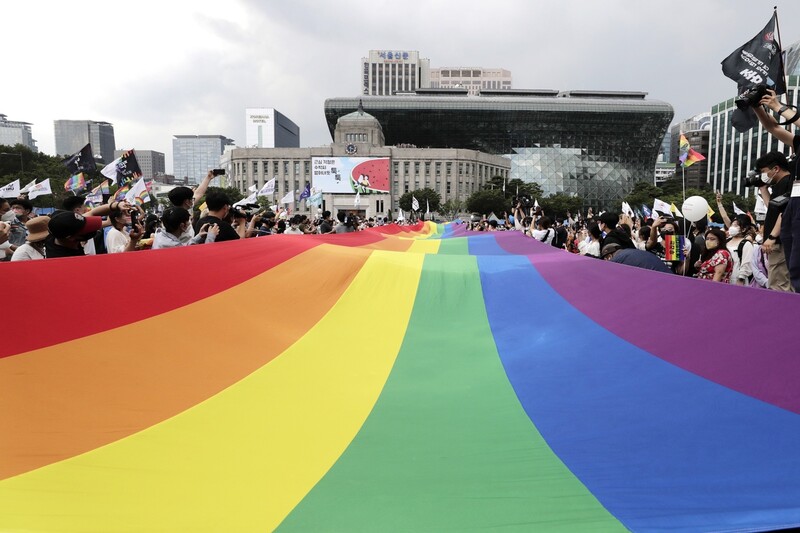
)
(695, 208)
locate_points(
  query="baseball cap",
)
(609, 249)
(67, 223)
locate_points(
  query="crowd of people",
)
(740, 251)
(733, 253)
(118, 226)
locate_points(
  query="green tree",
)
(451, 208)
(531, 189)
(37, 166)
(559, 204)
(485, 202)
(421, 195)
(643, 193)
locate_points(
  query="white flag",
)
(268, 189)
(536, 203)
(252, 199)
(252, 188)
(428, 204)
(11, 190)
(414, 203)
(40, 189)
(761, 207)
(357, 201)
(110, 170)
(288, 198)
(661, 206)
(626, 208)
(28, 187)
(400, 216)
(737, 210)
(138, 191)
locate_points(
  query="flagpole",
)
(780, 46)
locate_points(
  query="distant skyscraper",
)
(267, 128)
(151, 162)
(474, 79)
(194, 155)
(386, 72)
(72, 135)
(13, 133)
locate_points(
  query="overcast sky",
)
(155, 69)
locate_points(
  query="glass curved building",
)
(594, 145)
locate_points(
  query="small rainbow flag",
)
(688, 156)
(75, 183)
(673, 248)
(121, 192)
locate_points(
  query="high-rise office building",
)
(386, 72)
(265, 127)
(696, 130)
(591, 144)
(732, 154)
(473, 79)
(72, 135)
(150, 162)
(194, 155)
(13, 133)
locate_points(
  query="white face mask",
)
(733, 231)
(8, 216)
(765, 177)
(759, 239)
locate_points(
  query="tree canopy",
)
(422, 195)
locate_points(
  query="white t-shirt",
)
(117, 241)
(26, 252)
(546, 234)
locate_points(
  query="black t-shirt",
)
(325, 227)
(226, 231)
(782, 188)
(53, 250)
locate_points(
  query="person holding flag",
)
(785, 228)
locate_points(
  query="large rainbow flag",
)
(397, 379)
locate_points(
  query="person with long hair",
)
(740, 246)
(715, 263)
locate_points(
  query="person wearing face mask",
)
(174, 222)
(715, 263)
(186, 198)
(740, 246)
(294, 226)
(787, 230)
(775, 191)
(68, 232)
(661, 228)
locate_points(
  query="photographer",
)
(219, 208)
(783, 228)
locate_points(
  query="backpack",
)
(739, 251)
(560, 238)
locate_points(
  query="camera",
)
(751, 97)
(218, 171)
(134, 217)
(524, 201)
(753, 179)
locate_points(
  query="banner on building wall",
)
(350, 175)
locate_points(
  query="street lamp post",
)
(21, 166)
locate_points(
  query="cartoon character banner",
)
(350, 175)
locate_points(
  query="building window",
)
(274, 168)
(449, 168)
(285, 168)
(306, 167)
(448, 187)
(427, 169)
(395, 165)
(297, 168)
(255, 168)
(438, 169)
